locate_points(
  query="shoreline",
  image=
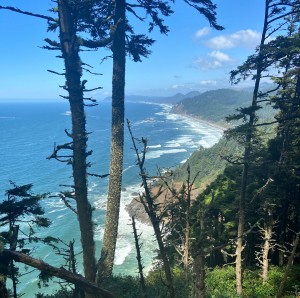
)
(199, 119)
(195, 118)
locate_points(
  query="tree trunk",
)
(186, 251)
(62, 273)
(239, 242)
(199, 279)
(117, 140)
(265, 261)
(70, 53)
(199, 289)
(150, 210)
(246, 159)
(139, 258)
(288, 266)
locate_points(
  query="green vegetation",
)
(220, 283)
(213, 105)
(207, 164)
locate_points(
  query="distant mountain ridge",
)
(160, 99)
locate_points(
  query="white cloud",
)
(215, 60)
(243, 38)
(219, 56)
(202, 32)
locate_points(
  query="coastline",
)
(199, 119)
(194, 118)
(135, 207)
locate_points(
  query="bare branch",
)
(58, 73)
(29, 13)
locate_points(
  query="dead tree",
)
(266, 246)
(148, 202)
(139, 257)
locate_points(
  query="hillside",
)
(206, 164)
(213, 105)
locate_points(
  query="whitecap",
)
(129, 167)
(172, 144)
(154, 146)
(122, 252)
(159, 153)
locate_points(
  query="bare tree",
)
(148, 201)
(139, 256)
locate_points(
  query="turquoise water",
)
(28, 134)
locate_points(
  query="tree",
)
(69, 24)
(20, 206)
(151, 208)
(274, 11)
(136, 45)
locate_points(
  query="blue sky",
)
(191, 57)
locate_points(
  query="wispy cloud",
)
(214, 60)
(208, 83)
(243, 38)
(177, 86)
(202, 32)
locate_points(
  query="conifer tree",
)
(20, 206)
(275, 11)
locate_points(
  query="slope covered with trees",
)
(213, 105)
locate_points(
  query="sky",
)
(191, 57)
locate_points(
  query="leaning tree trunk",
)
(76, 279)
(288, 266)
(70, 53)
(117, 141)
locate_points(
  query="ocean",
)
(28, 134)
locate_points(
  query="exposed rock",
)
(136, 209)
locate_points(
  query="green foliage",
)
(206, 163)
(59, 294)
(20, 204)
(128, 286)
(220, 283)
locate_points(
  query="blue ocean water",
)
(28, 133)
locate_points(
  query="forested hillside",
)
(213, 105)
(206, 163)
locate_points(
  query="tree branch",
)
(62, 273)
(29, 13)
